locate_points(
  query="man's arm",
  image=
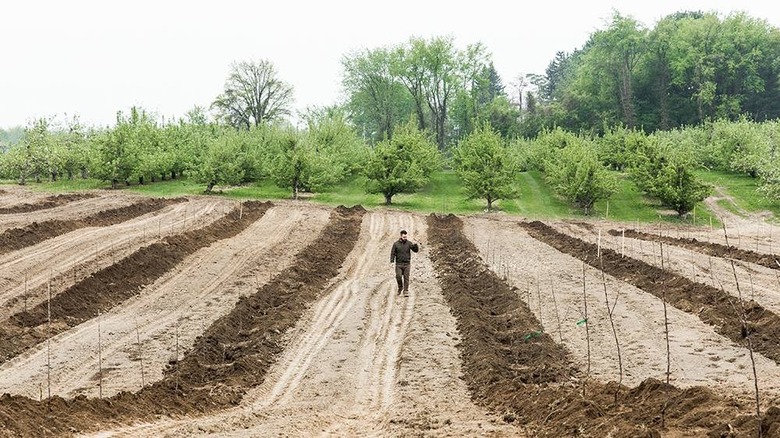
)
(414, 247)
(392, 253)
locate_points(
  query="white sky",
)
(93, 58)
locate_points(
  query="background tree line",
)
(653, 105)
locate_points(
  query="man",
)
(401, 255)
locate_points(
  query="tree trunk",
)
(388, 199)
(141, 180)
(114, 183)
(173, 174)
(210, 186)
(490, 203)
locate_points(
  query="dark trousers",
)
(402, 276)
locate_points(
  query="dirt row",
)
(708, 248)
(18, 238)
(110, 286)
(712, 305)
(46, 203)
(231, 357)
(559, 406)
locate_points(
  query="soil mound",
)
(231, 357)
(48, 202)
(709, 248)
(18, 238)
(713, 306)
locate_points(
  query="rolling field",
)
(123, 315)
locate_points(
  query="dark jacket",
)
(401, 251)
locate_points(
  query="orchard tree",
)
(485, 166)
(118, 148)
(667, 174)
(299, 165)
(402, 164)
(576, 173)
(332, 134)
(29, 157)
(253, 94)
(223, 161)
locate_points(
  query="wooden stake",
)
(623, 244)
(555, 304)
(140, 353)
(666, 317)
(598, 247)
(100, 361)
(48, 342)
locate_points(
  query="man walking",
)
(401, 255)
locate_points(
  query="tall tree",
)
(376, 97)
(253, 94)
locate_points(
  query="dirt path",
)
(71, 257)
(175, 309)
(363, 361)
(699, 355)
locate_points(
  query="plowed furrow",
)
(48, 202)
(114, 284)
(232, 356)
(17, 238)
(713, 306)
(708, 248)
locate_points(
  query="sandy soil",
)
(363, 361)
(25, 274)
(699, 356)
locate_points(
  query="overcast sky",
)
(93, 58)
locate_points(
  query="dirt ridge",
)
(232, 356)
(114, 284)
(18, 238)
(46, 203)
(708, 248)
(713, 306)
(565, 405)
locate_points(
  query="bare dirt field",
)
(210, 317)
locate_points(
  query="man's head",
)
(403, 234)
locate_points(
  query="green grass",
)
(629, 204)
(537, 200)
(445, 194)
(66, 185)
(743, 189)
